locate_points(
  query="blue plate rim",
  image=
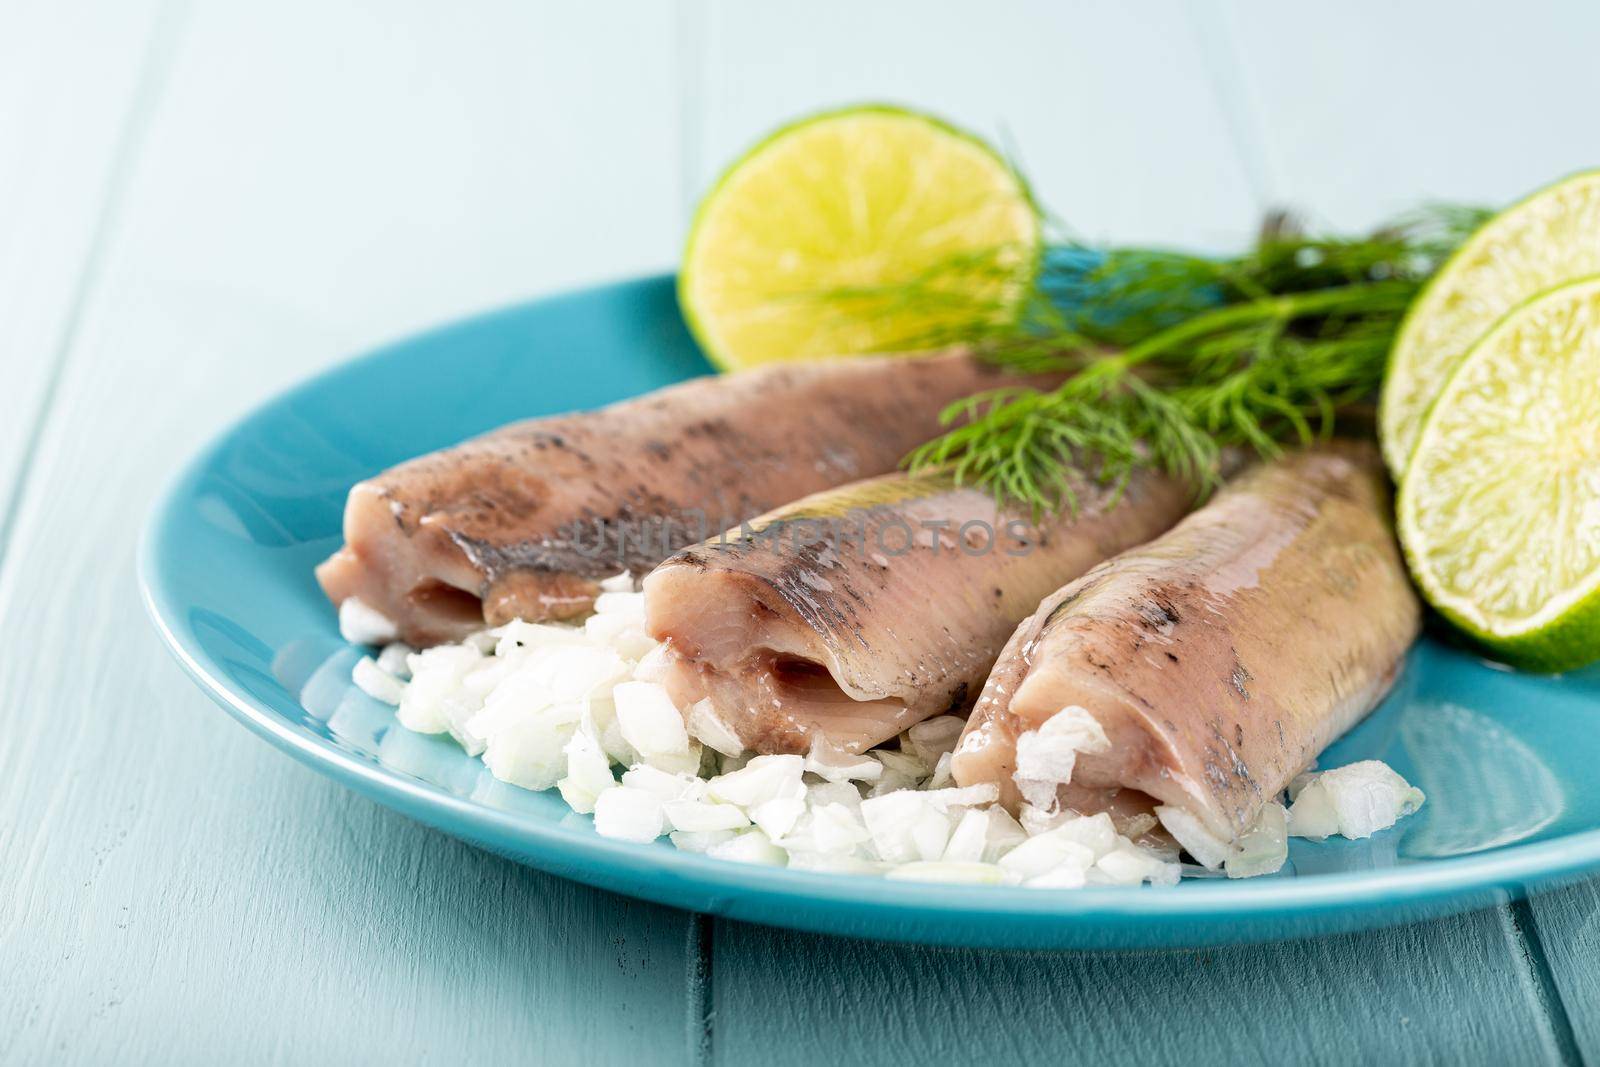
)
(1510, 869)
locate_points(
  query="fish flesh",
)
(848, 616)
(524, 522)
(1220, 658)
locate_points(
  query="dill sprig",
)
(1173, 357)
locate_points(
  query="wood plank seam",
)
(1223, 59)
(702, 994)
(132, 905)
(1546, 989)
(159, 52)
(689, 30)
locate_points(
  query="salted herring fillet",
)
(524, 522)
(1220, 658)
(857, 612)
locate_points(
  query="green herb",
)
(1174, 356)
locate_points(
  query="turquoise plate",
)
(1507, 760)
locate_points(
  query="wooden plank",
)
(70, 73)
(1456, 991)
(1376, 107)
(1564, 926)
(1110, 107)
(314, 177)
(1187, 151)
(409, 162)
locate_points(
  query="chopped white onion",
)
(1354, 801)
(1046, 757)
(704, 816)
(1038, 793)
(562, 704)
(843, 793)
(946, 871)
(436, 676)
(664, 785)
(888, 820)
(1171, 872)
(1136, 826)
(588, 772)
(1263, 848)
(966, 796)
(1036, 820)
(836, 765)
(1096, 833)
(503, 716)
(687, 762)
(906, 826)
(700, 840)
(892, 781)
(1074, 723)
(1208, 850)
(763, 778)
(517, 638)
(900, 766)
(376, 682)
(392, 660)
(930, 834)
(834, 828)
(1068, 875)
(633, 642)
(1047, 853)
(653, 665)
(712, 729)
(983, 835)
(776, 817)
(1003, 834)
(968, 839)
(1313, 814)
(1128, 864)
(618, 583)
(629, 604)
(629, 815)
(650, 722)
(752, 846)
(483, 641)
(609, 629)
(835, 864)
(602, 712)
(932, 738)
(530, 754)
(362, 624)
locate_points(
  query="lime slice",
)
(1551, 237)
(1500, 510)
(806, 246)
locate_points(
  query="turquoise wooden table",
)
(201, 203)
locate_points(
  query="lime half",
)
(1500, 509)
(864, 230)
(1551, 237)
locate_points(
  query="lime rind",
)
(1501, 527)
(1449, 314)
(1026, 247)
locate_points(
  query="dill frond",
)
(1176, 357)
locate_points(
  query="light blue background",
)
(202, 202)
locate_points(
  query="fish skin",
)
(819, 635)
(504, 526)
(1222, 657)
